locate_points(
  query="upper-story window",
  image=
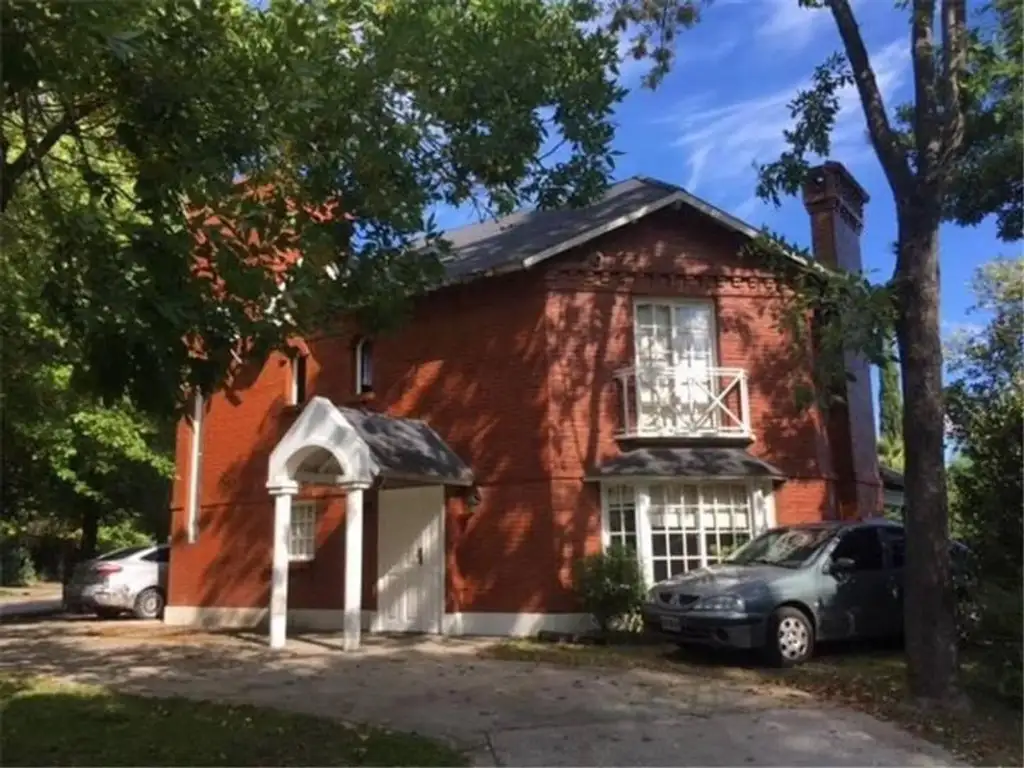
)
(675, 334)
(675, 386)
(364, 366)
(297, 395)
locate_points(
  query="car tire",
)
(790, 638)
(149, 604)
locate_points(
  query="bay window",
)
(675, 527)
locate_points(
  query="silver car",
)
(130, 579)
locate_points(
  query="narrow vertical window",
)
(298, 394)
(364, 366)
(195, 468)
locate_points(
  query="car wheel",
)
(149, 604)
(790, 637)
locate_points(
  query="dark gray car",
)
(788, 589)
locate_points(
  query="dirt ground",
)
(499, 712)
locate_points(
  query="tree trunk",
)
(90, 531)
(931, 636)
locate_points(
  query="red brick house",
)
(584, 376)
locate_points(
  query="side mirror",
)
(842, 565)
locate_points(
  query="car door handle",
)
(419, 555)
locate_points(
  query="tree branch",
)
(926, 101)
(954, 65)
(34, 152)
(883, 138)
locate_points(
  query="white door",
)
(410, 560)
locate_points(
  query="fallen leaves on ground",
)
(872, 681)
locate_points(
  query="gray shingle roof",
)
(407, 449)
(515, 241)
(687, 462)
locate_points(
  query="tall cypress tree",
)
(890, 443)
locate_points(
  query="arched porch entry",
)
(355, 450)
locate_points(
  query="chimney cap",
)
(833, 176)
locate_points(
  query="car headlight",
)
(652, 595)
(720, 604)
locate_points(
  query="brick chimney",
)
(835, 203)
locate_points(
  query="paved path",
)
(502, 713)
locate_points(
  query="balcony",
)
(666, 402)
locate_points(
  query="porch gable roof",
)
(335, 445)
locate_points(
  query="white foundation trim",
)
(482, 624)
(513, 624)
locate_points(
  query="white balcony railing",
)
(662, 401)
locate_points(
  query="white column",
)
(279, 569)
(353, 567)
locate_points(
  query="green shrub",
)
(610, 586)
(998, 636)
(119, 535)
(16, 567)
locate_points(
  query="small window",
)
(621, 501)
(364, 366)
(302, 535)
(298, 379)
(863, 546)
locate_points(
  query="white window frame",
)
(360, 346)
(195, 474)
(302, 532)
(762, 511)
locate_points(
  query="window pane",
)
(660, 570)
(629, 521)
(614, 520)
(675, 542)
(691, 496)
(658, 546)
(692, 544)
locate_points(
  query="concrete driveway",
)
(501, 713)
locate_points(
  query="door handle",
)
(419, 555)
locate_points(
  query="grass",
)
(872, 680)
(47, 722)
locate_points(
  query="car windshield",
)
(118, 554)
(788, 547)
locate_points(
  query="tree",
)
(985, 404)
(962, 76)
(890, 406)
(72, 463)
(337, 125)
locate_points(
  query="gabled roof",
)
(407, 449)
(331, 445)
(525, 238)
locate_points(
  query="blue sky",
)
(724, 107)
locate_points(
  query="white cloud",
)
(724, 142)
(787, 26)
